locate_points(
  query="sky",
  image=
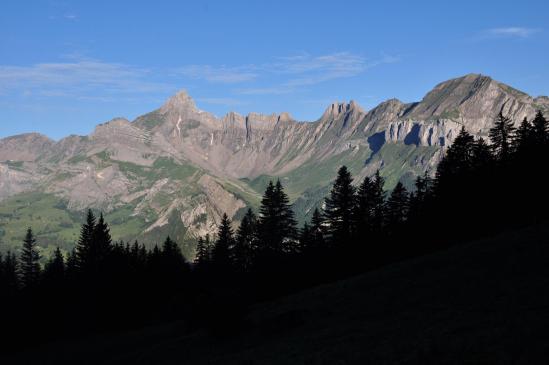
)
(66, 66)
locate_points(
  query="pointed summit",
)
(179, 102)
(336, 109)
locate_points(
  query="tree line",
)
(480, 188)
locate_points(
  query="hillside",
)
(479, 303)
(177, 169)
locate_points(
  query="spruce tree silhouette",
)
(222, 252)
(363, 211)
(540, 129)
(457, 160)
(397, 208)
(317, 230)
(339, 207)
(525, 137)
(482, 155)
(172, 258)
(288, 224)
(72, 264)
(101, 243)
(29, 265)
(202, 253)
(276, 227)
(245, 242)
(54, 270)
(501, 137)
(84, 247)
(377, 198)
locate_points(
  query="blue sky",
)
(66, 66)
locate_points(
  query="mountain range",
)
(177, 169)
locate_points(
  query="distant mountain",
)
(177, 169)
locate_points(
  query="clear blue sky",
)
(66, 66)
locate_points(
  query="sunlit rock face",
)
(179, 161)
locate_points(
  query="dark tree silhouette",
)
(317, 229)
(276, 227)
(54, 271)
(458, 159)
(363, 210)
(339, 208)
(377, 203)
(221, 255)
(481, 155)
(245, 242)
(202, 252)
(540, 129)
(29, 265)
(501, 136)
(525, 137)
(172, 256)
(84, 247)
(72, 263)
(101, 241)
(397, 207)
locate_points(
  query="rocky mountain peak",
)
(285, 117)
(388, 110)
(336, 109)
(179, 102)
(24, 147)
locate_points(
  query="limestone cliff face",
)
(179, 159)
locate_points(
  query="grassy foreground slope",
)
(485, 302)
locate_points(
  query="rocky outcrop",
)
(432, 133)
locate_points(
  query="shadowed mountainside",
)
(478, 303)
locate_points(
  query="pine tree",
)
(71, 268)
(377, 201)
(221, 255)
(245, 241)
(481, 155)
(458, 159)
(84, 247)
(501, 136)
(525, 137)
(277, 230)
(397, 206)
(202, 252)
(540, 129)
(101, 242)
(419, 198)
(288, 224)
(29, 261)
(362, 214)
(209, 247)
(171, 254)
(317, 229)
(339, 207)
(54, 271)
